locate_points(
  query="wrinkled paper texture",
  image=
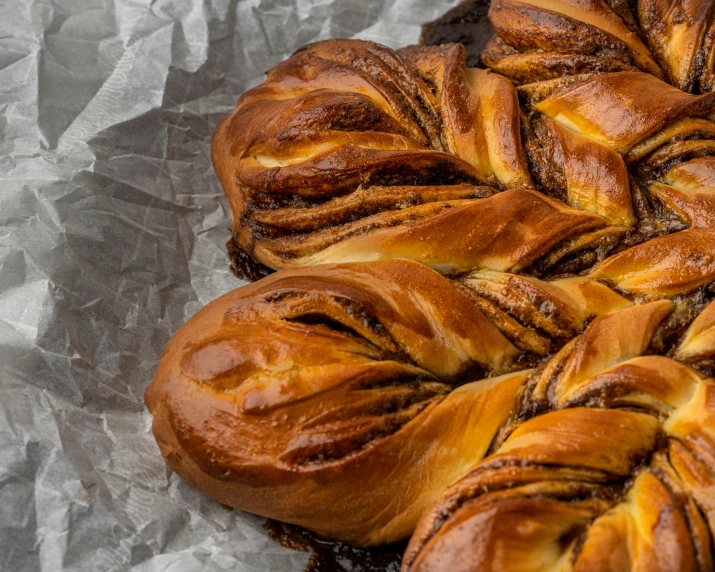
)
(112, 234)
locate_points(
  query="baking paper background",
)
(112, 233)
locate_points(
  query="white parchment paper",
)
(112, 233)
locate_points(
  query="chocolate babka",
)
(492, 323)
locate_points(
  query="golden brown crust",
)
(675, 32)
(569, 26)
(330, 161)
(547, 388)
(538, 40)
(599, 481)
(622, 109)
(294, 396)
(342, 123)
(286, 396)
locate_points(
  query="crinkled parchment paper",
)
(112, 233)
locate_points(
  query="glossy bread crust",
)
(615, 472)
(316, 396)
(492, 324)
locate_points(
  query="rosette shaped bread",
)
(350, 151)
(517, 318)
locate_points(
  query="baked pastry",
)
(334, 396)
(609, 464)
(353, 152)
(514, 336)
(558, 39)
(317, 396)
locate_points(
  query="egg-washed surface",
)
(353, 152)
(347, 398)
(608, 464)
(492, 322)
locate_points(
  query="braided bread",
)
(559, 40)
(352, 152)
(316, 396)
(508, 343)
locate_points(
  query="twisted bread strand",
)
(331, 161)
(559, 40)
(326, 162)
(318, 396)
